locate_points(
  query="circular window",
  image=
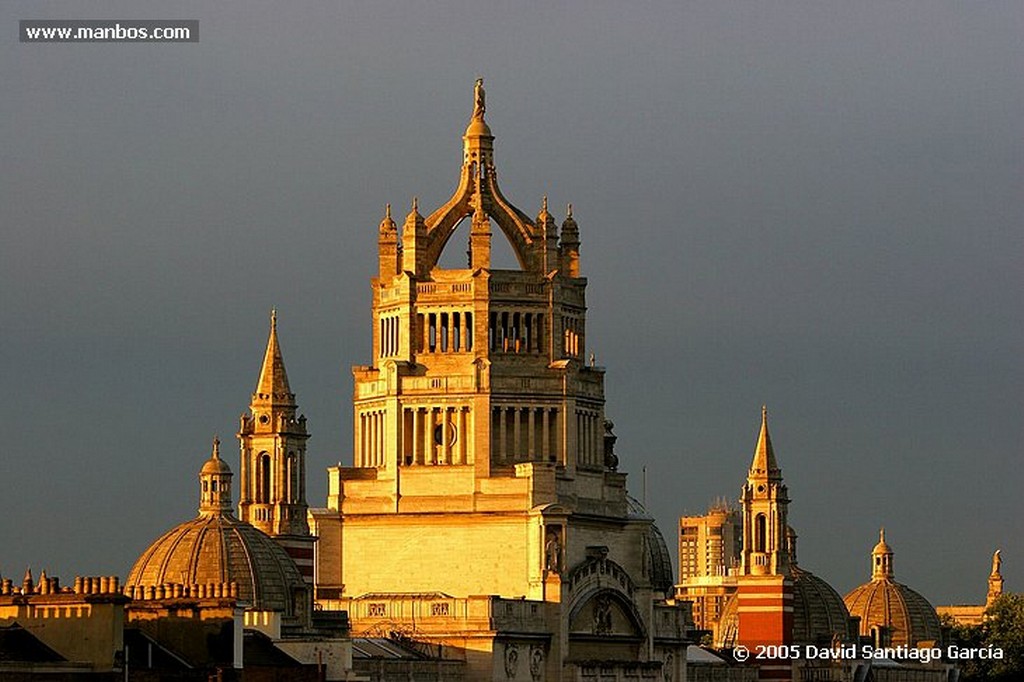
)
(264, 419)
(446, 429)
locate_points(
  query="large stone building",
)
(484, 513)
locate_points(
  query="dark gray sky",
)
(812, 205)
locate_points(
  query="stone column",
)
(463, 435)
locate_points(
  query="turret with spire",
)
(414, 238)
(570, 245)
(765, 502)
(272, 439)
(388, 250)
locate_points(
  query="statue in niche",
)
(536, 663)
(553, 550)
(603, 615)
(611, 460)
(511, 660)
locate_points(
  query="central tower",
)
(478, 367)
(484, 510)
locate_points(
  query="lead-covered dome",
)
(658, 560)
(889, 611)
(220, 550)
(215, 554)
(819, 614)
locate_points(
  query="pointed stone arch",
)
(513, 223)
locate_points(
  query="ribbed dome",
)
(208, 554)
(658, 557)
(220, 549)
(819, 613)
(884, 602)
(908, 615)
(662, 577)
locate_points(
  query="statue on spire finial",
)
(273, 318)
(997, 562)
(479, 105)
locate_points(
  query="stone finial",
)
(997, 562)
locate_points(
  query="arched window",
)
(760, 533)
(263, 478)
(293, 478)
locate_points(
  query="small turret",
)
(881, 559)
(414, 241)
(569, 250)
(547, 234)
(387, 246)
(215, 484)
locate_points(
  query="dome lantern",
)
(215, 484)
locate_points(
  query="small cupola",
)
(215, 484)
